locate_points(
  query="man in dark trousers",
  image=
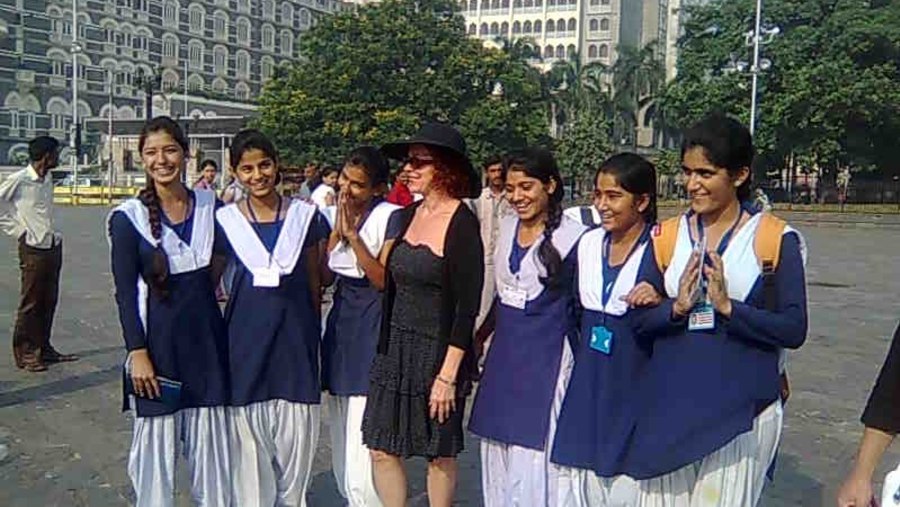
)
(26, 213)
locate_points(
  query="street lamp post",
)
(74, 144)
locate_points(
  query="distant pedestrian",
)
(234, 192)
(26, 213)
(208, 172)
(309, 179)
(400, 194)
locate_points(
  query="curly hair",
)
(450, 175)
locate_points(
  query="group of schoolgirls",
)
(238, 392)
(636, 363)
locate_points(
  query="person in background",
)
(167, 254)
(400, 194)
(594, 419)
(234, 192)
(310, 170)
(424, 362)
(26, 213)
(274, 328)
(491, 207)
(358, 248)
(761, 201)
(535, 328)
(324, 195)
(881, 419)
(587, 215)
(208, 172)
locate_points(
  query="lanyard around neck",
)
(726, 238)
(609, 278)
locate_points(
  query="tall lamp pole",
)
(75, 143)
(754, 69)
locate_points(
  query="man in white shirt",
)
(26, 213)
(490, 208)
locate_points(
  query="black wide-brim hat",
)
(443, 137)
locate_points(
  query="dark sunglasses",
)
(417, 162)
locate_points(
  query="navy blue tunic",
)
(352, 332)
(185, 335)
(274, 332)
(597, 415)
(703, 388)
(515, 396)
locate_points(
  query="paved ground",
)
(63, 440)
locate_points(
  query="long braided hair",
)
(539, 163)
(158, 273)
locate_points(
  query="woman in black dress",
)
(421, 373)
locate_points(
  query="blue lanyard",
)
(609, 279)
(278, 222)
(726, 238)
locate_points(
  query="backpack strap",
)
(767, 243)
(665, 234)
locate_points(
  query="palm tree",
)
(637, 77)
(576, 86)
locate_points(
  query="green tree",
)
(637, 76)
(832, 95)
(372, 75)
(577, 87)
(584, 145)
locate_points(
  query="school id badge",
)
(601, 339)
(702, 317)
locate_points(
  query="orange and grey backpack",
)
(766, 245)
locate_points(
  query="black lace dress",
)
(397, 418)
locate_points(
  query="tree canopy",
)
(374, 74)
(832, 95)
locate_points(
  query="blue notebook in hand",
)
(169, 391)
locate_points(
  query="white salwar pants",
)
(583, 488)
(350, 461)
(272, 446)
(732, 476)
(517, 476)
(202, 435)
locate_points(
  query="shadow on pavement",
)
(62, 386)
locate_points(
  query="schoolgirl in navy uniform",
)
(595, 419)
(710, 418)
(357, 254)
(530, 359)
(273, 318)
(166, 261)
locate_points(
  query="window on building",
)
(551, 26)
(560, 51)
(604, 51)
(495, 29)
(561, 25)
(170, 47)
(517, 27)
(526, 28)
(594, 25)
(170, 13)
(287, 43)
(140, 5)
(571, 26)
(495, 4)
(126, 43)
(268, 38)
(169, 81)
(242, 92)
(197, 19)
(595, 3)
(266, 68)
(243, 31)
(304, 18)
(604, 24)
(243, 6)
(220, 86)
(220, 25)
(58, 68)
(483, 30)
(195, 83)
(604, 2)
(195, 55)
(592, 51)
(504, 28)
(287, 14)
(473, 29)
(570, 50)
(268, 9)
(548, 52)
(537, 26)
(242, 65)
(220, 60)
